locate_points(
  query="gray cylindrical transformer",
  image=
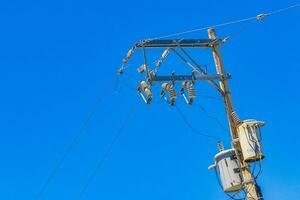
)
(228, 168)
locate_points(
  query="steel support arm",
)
(189, 77)
(180, 43)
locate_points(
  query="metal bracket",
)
(245, 182)
(182, 43)
(202, 77)
(237, 170)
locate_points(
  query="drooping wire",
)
(259, 170)
(211, 117)
(107, 90)
(257, 17)
(103, 157)
(236, 196)
(260, 165)
(191, 127)
(210, 97)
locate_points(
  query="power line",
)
(212, 117)
(257, 17)
(209, 97)
(203, 28)
(284, 9)
(108, 89)
(192, 128)
(103, 157)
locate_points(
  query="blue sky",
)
(56, 58)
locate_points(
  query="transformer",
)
(228, 167)
(250, 140)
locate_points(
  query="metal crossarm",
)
(179, 43)
(189, 77)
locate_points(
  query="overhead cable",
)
(258, 17)
(192, 128)
(103, 157)
(212, 117)
(107, 90)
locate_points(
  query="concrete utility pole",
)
(253, 191)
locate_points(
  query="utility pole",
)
(253, 191)
(240, 131)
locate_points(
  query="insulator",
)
(142, 68)
(152, 73)
(148, 92)
(145, 89)
(166, 87)
(236, 118)
(121, 70)
(163, 56)
(220, 146)
(172, 93)
(261, 16)
(129, 54)
(125, 60)
(184, 84)
(165, 53)
(143, 85)
(190, 92)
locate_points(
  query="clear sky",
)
(56, 57)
